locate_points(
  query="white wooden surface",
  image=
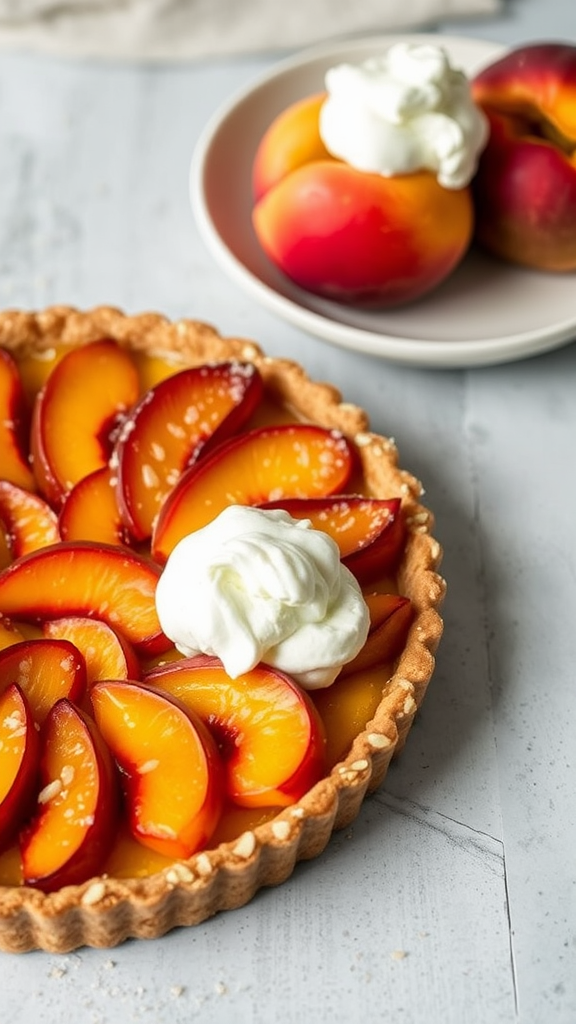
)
(453, 897)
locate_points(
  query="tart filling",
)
(171, 426)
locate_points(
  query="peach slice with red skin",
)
(171, 771)
(45, 670)
(85, 578)
(5, 547)
(9, 634)
(173, 423)
(267, 729)
(75, 822)
(390, 619)
(13, 425)
(107, 654)
(30, 522)
(19, 759)
(90, 511)
(525, 187)
(84, 399)
(262, 465)
(368, 531)
(348, 705)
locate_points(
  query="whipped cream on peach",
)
(257, 585)
(406, 111)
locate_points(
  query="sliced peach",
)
(347, 706)
(84, 578)
(390, 619)
(267, 728)
(156, 367)
(170, 766)
(170, 426)
(19, 758)
(35, 366)
(369, 531)
(129, 858)
(13, 425)
(83, 401)
(107, 653)
(29, 520)
(263, 465)
(75, 822)
(45, 670)
(9, 634)
(5, 547)
(90, 511)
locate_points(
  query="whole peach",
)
(525, 187)
(346, 234)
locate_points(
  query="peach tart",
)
(161, 760)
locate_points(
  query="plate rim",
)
(423, 352)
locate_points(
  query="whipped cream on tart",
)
(360, 721)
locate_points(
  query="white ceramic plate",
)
(487, 312)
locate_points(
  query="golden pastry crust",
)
(105, 911)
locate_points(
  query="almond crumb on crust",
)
(94, 894)
(280, 830)
(244, 847)
(378, 741)
(405, 684)
(179, 873)
(409, 707)
(203, 865)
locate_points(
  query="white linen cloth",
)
(178, 29)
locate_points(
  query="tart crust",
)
(105, 911)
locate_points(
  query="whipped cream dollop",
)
(405, 111)
(258, 585)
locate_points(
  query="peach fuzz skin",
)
(525, 189)
(348, 235)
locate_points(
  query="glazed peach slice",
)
(19, 757)
(5, 547)
(171, 425)
(369, 531)
(30, 522)
(171, 771)
(13, 425)
(45, 670)
(84, 578)
(90, 511)
(9, 634)
(390, 619)
(84, 399)
(35, 366)
(265, 464)
(107, 654)
(268, 731)
(76, 816)
(154, 367)
(348, 705)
